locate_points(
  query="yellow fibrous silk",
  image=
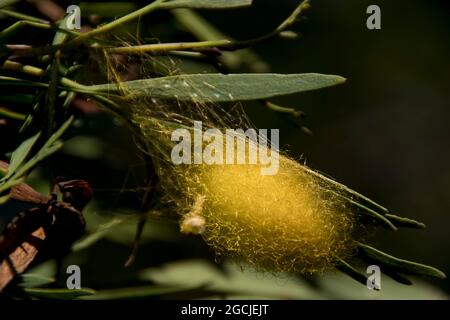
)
(292, 221)
(284, 222)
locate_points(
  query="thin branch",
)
(166, 47)
(224, 44)
(116, 23)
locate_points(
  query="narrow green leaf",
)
(61, 36)
(206, 4)
(20, 82)
(17, 26)
(50, 97)
(396, 276)
(21, 16)
(405, 222)
(281, 109)
(398, 264)
(44, 153)
(288, 34)
(10, 31)
(224, 88)
(379, 218)
(373, 214)
(31, 280)
(50, 147)
(361, 277)
(12, 114)
(5, 3)
(30, 117)
(340, 186)
(60, 294)
(295, 15)
(69, 99)
(20, 154)
(352, 272)
(111, 105)
(58, 133)
(135, 292)
(95, 236)
(4, 199)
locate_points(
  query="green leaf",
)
(361, 277)
(58, 133)
(30, 280)
(405, 222)
(9, 81)
(30, 117)
(352, 272)
(398, 264)
(12, 114)
(47, 269)
(20, 154)
(50, 147)
(341, 187)
(206, 4)
(335, 285)
(50, 97)
(61, 36)
(229, 280)
(20, 16)
(95, 236)
(378, 217)
(60, 294)
(224, 88)
(5, 3)
(272, 106)
(397, 276)
(4, 199)
(135, 292)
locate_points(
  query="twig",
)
(226, 45)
